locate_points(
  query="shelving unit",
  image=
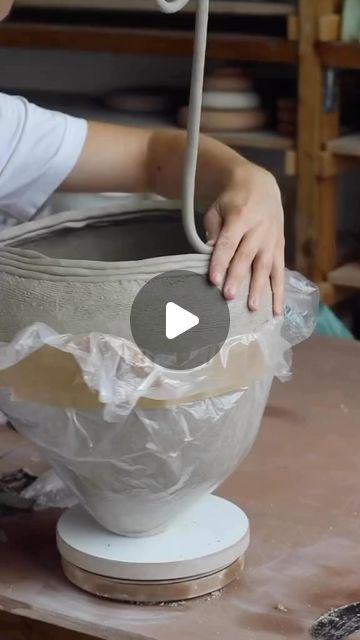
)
(312, 45)
(323, 152)
(222, 46)
(89, 36)
(339, 55)
(217, 6)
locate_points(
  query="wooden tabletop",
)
(301, 488)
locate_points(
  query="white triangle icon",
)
(178, 320)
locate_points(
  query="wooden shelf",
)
(330, 27)
(339, 54)
(346, 276)
(348, 146)
(216, 6)
(144, 42)
(92, 110)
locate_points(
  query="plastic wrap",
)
(49, 491)
(137, 443)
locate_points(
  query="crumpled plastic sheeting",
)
(135, 467)
(50, 491)
(301, 308)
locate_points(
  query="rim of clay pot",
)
(16, 260)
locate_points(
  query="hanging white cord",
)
(194, 118)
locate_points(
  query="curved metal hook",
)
(194, 122)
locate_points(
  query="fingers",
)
(262, 266)
(277, 283)
(212, 224)
(239, 249)
(241, 265)
(226, 246)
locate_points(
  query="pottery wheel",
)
(202, 552)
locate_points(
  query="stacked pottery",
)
(147, 102)
(230, 103)
(136, 444)
(287, 117)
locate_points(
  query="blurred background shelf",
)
(346, 276)
(339, 54)
(348, 146)
(257, 140)
(145, 41)
(92, 108)
(232, 7)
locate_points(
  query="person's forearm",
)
(151, 161)
(218, 165)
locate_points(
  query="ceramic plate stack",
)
(142, 102)
(287, 117)
(230, 103)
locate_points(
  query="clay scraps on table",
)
(11, 486)
(338, 624)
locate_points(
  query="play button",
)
(179, 320)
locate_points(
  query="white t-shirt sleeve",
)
(38, 150)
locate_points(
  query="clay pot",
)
(79, 273)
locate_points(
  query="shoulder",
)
(25, 126)
(12, 105)
(38, 150)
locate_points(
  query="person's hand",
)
(246, 227)
(245, 223)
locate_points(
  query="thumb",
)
(213, 225)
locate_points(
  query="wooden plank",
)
(325, 246)
(216, 6)
(346, 276)
(144, 42)
(316, 208)
(329, 6)
(329, 27)
(339, 54)
(310, 105)
(345, 145)
(293, 28)
(330, 165)
(330, 123)
(291, 163)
